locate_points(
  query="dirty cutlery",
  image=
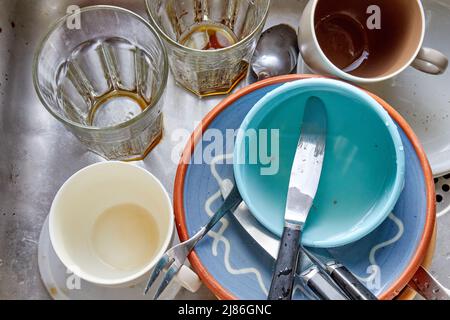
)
(322, 286)
(312, 277)
(345, 279)
(174, 259)
(303, 185)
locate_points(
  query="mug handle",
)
(428, 287)
(430, 61)
(188, 279)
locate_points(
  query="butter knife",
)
(303, 185)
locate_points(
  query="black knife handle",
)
(321, 286)
(349, 283)
(286, 265)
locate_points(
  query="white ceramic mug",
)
(404, 42)
(111, 222)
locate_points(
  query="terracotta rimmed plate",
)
(234, 267)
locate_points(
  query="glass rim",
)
(57, 24)
(206, 52)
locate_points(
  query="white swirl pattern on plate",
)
(374, 268)
(219, 237)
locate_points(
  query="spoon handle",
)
(321, 286)
(286, 265)
(349, 283)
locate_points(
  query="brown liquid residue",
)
(53, 292)
(208, 36)
(352, 42)
(344, 40)
(114, 94)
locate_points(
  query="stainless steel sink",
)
(37, 154)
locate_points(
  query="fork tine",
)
(171, 273)
(161, 265)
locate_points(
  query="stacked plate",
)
(233, 266)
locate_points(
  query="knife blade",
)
(303, 185)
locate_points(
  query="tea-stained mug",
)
(366, 41)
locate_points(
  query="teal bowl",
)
(363, 172)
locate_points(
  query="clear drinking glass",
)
(209, 42)
(102, 72)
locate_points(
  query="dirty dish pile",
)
(111, 223)
(243, 270)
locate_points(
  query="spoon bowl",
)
(276, 53)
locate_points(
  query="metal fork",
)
(174, 259)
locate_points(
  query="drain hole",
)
(447, 176)
(439, 198)
(445, 187)
(436, 180)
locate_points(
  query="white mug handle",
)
(188, 279)
(431, 61)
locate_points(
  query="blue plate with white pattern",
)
(233, 266)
